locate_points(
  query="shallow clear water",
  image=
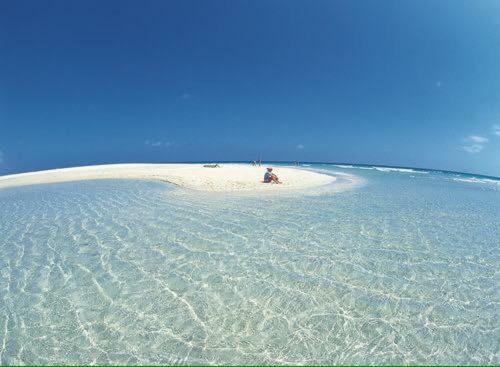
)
(401, 269)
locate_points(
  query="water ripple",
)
(127, 272)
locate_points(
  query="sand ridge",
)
(226, 178)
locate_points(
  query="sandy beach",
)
(227, 177)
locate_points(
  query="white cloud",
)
(496, 130)
(473, 149)
(476, 143)
(477, 139)
(300, 146)
(158, 143)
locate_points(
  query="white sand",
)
(229, 177)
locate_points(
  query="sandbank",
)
(226, 178)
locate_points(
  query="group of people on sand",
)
(269, 176)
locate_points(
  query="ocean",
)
(401, 267)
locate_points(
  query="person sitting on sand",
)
(270, 177)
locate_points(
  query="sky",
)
(387, 82)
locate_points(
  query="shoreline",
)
(231, 177)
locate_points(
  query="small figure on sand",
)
(254, 163)
(270, 177)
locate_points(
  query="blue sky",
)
(413, 83)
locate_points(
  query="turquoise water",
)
(403, 268)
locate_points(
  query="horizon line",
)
(268, 161)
